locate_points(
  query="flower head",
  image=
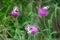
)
(15, 12)
(31, 29)
(43, 11)
(34, 30)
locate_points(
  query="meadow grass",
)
(13, 28)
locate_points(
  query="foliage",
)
(13, 29)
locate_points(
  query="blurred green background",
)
(13, 29)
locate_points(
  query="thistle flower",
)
(15, 12)
(31, 29)
(43, 11)
(34, 30)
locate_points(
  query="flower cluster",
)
(15, 12)
(43, 11)
(31, 29)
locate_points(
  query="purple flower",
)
(43, 12)
(15, 13)
(31, 29)
(34, 30)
